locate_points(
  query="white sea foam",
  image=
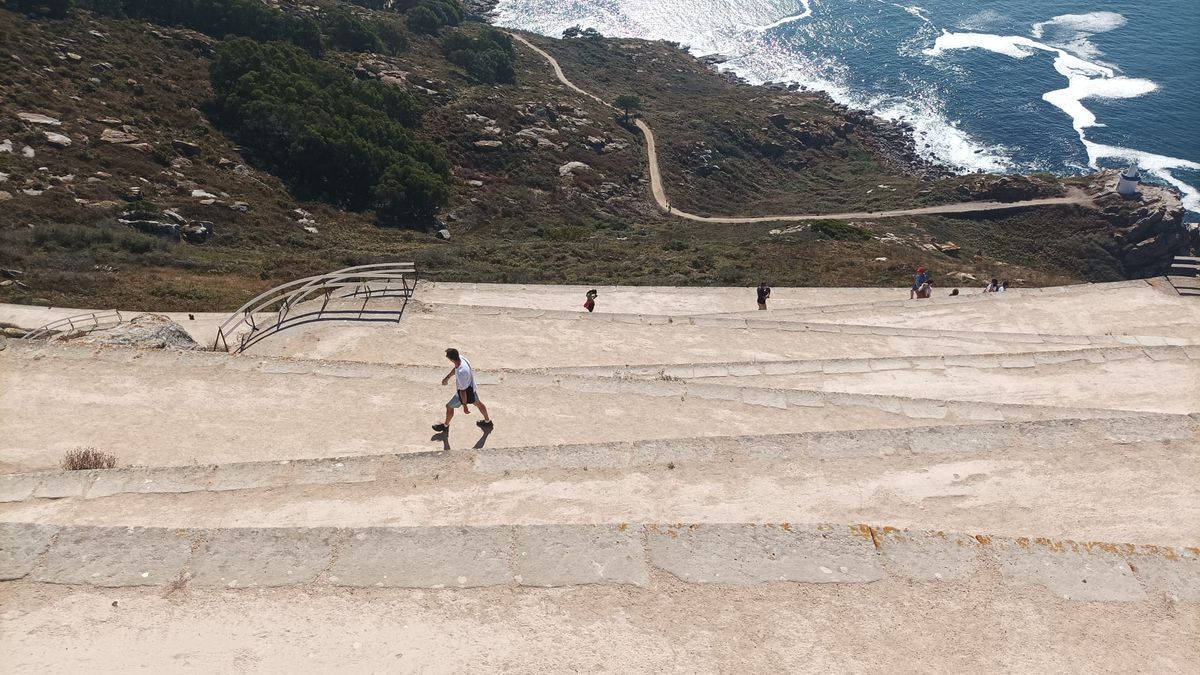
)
(721, 26)
(806, 11)
(1072, 32)
(1085, 80)
(936, 137)
(1092, 22)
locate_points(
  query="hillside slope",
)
(124, 185)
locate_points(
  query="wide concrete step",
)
(571, 555)
(1125, 382)
(767, 322)
(1134, 311)
(160, 408)
(1000, 360)
(1091, 489)
(174, 408)
(1114, 290)
(977, 440)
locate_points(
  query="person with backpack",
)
(464, 379)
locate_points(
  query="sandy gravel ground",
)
(883, 627)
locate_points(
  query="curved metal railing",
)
(295, 303)
(88, 321)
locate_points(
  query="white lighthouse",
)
(1127, 183)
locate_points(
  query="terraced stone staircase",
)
(781, 483)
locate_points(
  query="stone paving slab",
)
(928, 556)
(572, 555)
(148, 480)
(239, 558)
(569, 555)
(1173, 572)
(742, 554)
(115, 556)
(16, 487)
(1068, 569)
(21, 545)
(424, 557)
(64, 484)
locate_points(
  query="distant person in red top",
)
(764, 292)
(590, 303)
(921, 279)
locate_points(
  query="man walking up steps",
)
(464, 379)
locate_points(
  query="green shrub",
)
(55, 9)
(218, 18)
(409, 193)
(328, 135)
(428, 16)
(348, 32)
(836, 229)
(489, 58)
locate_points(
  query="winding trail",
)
(1075, 197)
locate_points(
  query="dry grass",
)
(81, 459)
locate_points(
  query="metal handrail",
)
(362, 282)
(88, 321)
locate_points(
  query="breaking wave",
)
(894, 60)
(1085, 80)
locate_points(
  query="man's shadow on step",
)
(444, 438)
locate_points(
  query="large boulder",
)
(144, 331)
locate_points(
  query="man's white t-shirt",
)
(463, 375)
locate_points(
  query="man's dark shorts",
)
(471, 397)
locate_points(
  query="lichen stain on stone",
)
(1159, 552)
(1115, 549)
(1055, 545)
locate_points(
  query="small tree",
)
(423, 20)
(629, 103)
(409, 195)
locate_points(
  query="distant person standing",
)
(464, 379)
(764, 292)
(590, 303)
(993, 287)
(919, 280)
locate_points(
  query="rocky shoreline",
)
(1145, 232)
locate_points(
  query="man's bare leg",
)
(449, 415)
(482, 409)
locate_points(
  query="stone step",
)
(973, 439)
(757, 322)
(158, 408)
(1013, 360)
(781, 398)
(942, 300)
(570, 555)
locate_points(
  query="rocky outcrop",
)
(1148, 229)
(145, 331)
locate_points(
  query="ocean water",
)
(1065, 86)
